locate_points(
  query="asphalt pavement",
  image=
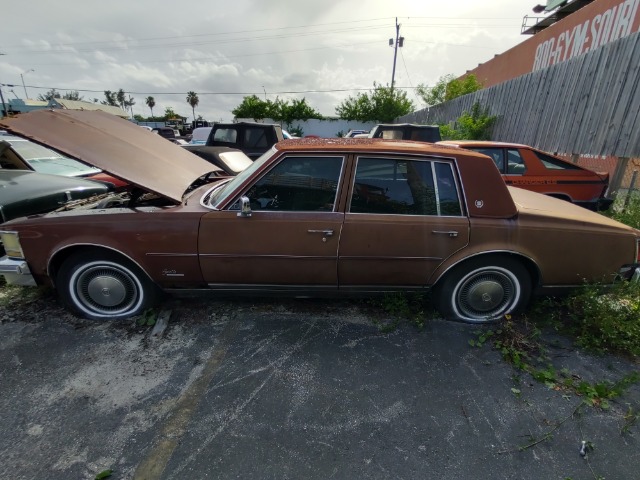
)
(308, 389)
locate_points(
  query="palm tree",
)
(151, 102)
(193, 100)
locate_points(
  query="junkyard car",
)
(23, 192)
(21, 154)
(311, 216)
(526, 167)
(231, 160)
(406, 131)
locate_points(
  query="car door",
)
(404, 217)
(291, 238)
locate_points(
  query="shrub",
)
(607, 321)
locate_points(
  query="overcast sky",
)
(323, 50)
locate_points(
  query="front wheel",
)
(482, 291)
(104, 286)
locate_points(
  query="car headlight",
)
(11, 244)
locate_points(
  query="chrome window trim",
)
(450, 161)
(342, 157)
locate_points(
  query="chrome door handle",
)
(326, 233)
(451, 233)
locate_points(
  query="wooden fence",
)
(588, 105)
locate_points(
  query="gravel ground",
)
(291, 389)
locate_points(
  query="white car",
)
(199, 135)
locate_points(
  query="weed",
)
(606, 322)
(409, 306)
(13, 295)
(630, 419)
(148, 318)
(520, 345)
(629, 212)
(104, 474)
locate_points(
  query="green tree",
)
(151, 102)
(283, 111)
(110, 98)
(447, 88)
(384, 104)
(193, 100)
(169, 113)
(74, 95)
(253, 107)
(121, 98)
(287, 112)
(474, 125)
(129, 104)
(49, 95)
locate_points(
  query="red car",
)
(525, 167)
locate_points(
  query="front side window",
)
(404, 187)
(298, 184)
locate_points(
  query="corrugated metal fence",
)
(587, 106)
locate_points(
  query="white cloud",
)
(223, 50)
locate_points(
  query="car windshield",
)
(221, 193)
(45, 160)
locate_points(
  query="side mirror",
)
(245, 207)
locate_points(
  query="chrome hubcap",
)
(486, 294)
(106, 291)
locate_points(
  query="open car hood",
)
(116, 146)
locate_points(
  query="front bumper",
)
(16, 272)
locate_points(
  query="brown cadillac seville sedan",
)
(310, 217)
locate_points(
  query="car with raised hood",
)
(18, 153)
(532, 169)
(310, 217)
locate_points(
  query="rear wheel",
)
(104, 286)
(484, 290)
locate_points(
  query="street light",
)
(26, 95)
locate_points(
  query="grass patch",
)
(13, 295)
(627, 210)
(605, 321)
(412, 307)
(520, 344)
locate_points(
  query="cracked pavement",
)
(290, 389)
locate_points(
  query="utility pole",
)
(3, 112)
(398, 43)
(26, 95)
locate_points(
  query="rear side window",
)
(515, 164)
(404, 187)
(496, 154)
(255, 138)
(553, 163)
(227, 135)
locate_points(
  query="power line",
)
(284, 92)
(23, 49)
(230, 57)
